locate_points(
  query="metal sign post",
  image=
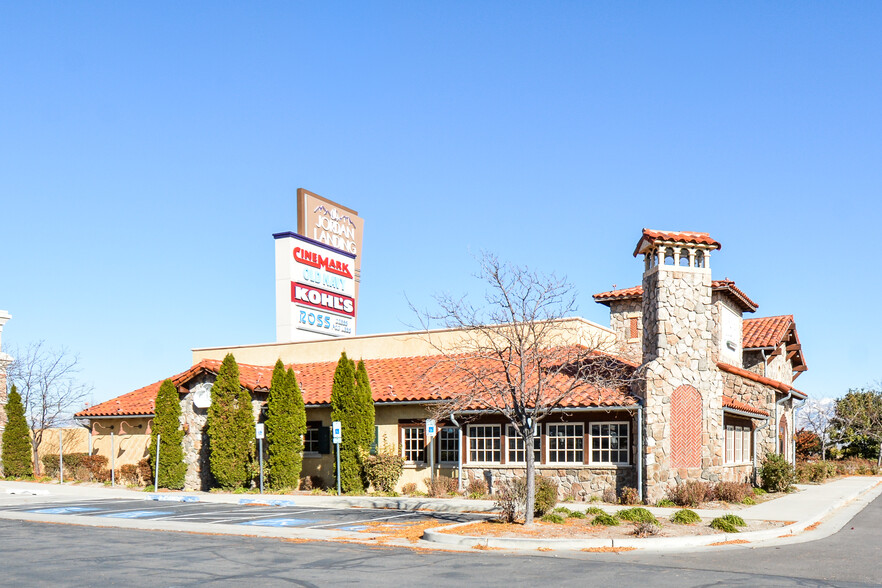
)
(259, 430)
(431, 429)
(156, 480)
(337, 432)
(60, 457)
(112, 462)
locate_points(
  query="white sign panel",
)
(430, 428)
(315, 289)
(259, 430)
(337, 432)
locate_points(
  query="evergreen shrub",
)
(383, 469)
(637, 515)
(17, 456)
(230, 428)
(607, 520)
(776, 473)
(685, 517)
(167, 428)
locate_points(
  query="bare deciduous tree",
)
(50, 391)
(817, 417)
(516, 356)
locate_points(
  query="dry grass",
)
(813, 526)
(413, 532)
(732, 542)
(482, 547)
(608, 549)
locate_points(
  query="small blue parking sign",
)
(337, 432)
(430, 428)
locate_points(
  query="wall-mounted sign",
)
(315, 289)
(330, 223)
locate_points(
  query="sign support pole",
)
(338, 470)
(156, 480)
(337, 434)
(112, 462)
(260, 451)
(60, 457)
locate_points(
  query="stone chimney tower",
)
(682, 385)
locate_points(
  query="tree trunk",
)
(36, 439)
(531, 477)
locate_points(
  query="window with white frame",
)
(565, 443)
(311, 440)
(738, 446)
(609, 443)
(413, 444)
(448, 445)
(485, 444)
(516, 446)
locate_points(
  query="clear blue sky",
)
(148, 151)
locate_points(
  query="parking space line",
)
(349, 523)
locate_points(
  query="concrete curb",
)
(437, 535)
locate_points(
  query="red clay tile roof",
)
(780, 386)
(766, 331)
(636, 293)
(650, 236)
(398, 379)
(729, 402)
(140, 401)
(773, 331)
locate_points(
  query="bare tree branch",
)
(520, 354)
(50, 391)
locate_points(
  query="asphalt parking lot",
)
(252, 512)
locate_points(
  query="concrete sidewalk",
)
(814, 512)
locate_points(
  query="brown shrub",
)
(690, 493)
(629, 496)
(732, 491)
(144, 472)
(442, 486)
(477, 487)
(128, 474)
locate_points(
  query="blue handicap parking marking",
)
(65, 510)
(354, 528)
(278, 522)
(136, 514)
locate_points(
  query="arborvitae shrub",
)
(285, 426)
(17, 456)
(230, 428)
(167, 426)
(348, 407)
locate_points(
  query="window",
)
(699, 258)
(684, 258)
(413, 444)
(448, 445)
(565, 443)
(516, 446)
(311, 440)
(609, 443)
(669, 256)
(485, 445)
(738, 446)
(635, 333)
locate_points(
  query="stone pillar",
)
(678, 326)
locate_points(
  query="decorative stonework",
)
(686, 424)
(581, 483)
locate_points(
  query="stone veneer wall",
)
(678, 326)
(620, 315)
(581, 483)
(195, 442)
(760, 396)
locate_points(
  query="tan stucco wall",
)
(570, 330)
